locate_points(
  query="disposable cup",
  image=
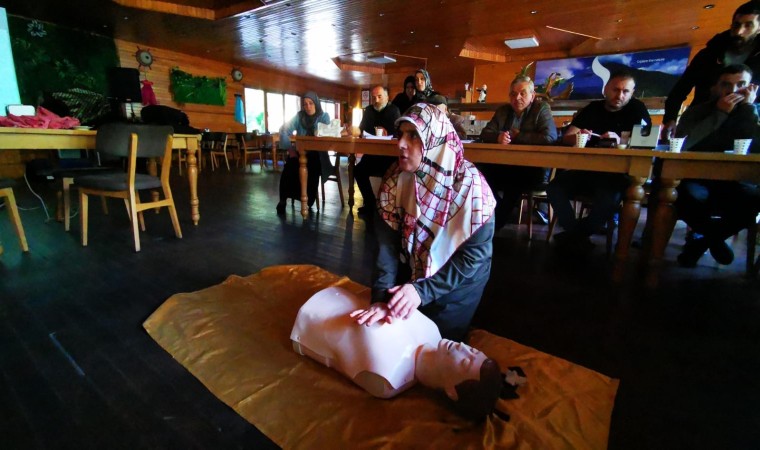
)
(625, 137)
(676, 143)
(741, 146)
(581, 139)
(379, 131)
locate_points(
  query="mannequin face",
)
(457, 362)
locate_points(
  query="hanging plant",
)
(188, 88)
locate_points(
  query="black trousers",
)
(370, 166)
(717, 209)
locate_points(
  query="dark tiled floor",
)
(78, 371)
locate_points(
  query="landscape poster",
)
(656, 72)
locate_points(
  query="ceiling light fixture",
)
(709, 6)
(523, 42)
(380, 58)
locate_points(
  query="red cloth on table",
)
(43, 119)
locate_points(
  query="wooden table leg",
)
(303, 175)
(351, 165)
(629, 217)
(192, 177)
(662, 228)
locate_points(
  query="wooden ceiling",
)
(331, 39)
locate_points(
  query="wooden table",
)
(635, 163)
(678, 166)
(44, 139)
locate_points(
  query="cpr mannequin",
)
(386, 359)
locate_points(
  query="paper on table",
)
(366, 135)
(467, 141)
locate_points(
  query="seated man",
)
(379, 115)
(718, 209)
(521, 121)
(602, 119)
(456, 120)
(390, 356)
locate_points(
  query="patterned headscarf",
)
(442, 203)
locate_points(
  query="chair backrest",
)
(113, 139)
(249, 139)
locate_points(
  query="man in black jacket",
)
(738, 45)
(718, 209)
(381, 117)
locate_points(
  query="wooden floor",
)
(78, 371)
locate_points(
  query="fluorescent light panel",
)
(526, 42)
(381, 59)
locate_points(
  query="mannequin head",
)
(466, 375)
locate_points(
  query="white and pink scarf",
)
(442, 203)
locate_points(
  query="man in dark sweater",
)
(738, 45)
(601, 119)
(718, 209)
(381, 117)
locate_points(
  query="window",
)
(275, 112)
(292, 105)
(254, 111)
(331, 108)
(268, 111)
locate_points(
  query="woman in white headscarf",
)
(436, 229)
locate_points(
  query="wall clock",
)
(144, 58)
(236, 74)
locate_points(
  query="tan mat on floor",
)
(235, 338)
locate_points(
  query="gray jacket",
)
(537, 126)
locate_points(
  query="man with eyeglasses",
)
(521, 121)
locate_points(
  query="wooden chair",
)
(131, 141)
(535, 198)
(218, 148)
(270, 144)
(233, 147)
(251, 145)
(6, 192)
(330, 172)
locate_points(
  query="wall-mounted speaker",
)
(124, 84)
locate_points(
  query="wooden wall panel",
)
(220, 118)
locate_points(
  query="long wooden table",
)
(679, 166)
(44, 139)
(635, 163)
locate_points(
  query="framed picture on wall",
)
(584, 78)
(365, 98)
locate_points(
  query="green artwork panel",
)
(56, 59)
(193, 89)
(68, 65)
